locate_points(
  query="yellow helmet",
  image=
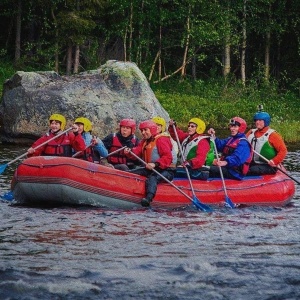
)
(160, 121)
(87, 124)
(60, 118)
(200, 125)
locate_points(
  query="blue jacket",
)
(240, 154)
(100, 148)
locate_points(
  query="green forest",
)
(210, 59)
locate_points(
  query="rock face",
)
(115, 91)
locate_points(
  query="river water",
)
(89, 253)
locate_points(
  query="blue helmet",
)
(262, 115)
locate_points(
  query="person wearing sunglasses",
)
(196, 149)
(236, 151)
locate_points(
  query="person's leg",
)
(261, 169)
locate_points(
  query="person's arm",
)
(201, 154)
(100, 148)
(36, 152)
(164, 148)
(239, 155)
(77, 141)
(277, 142)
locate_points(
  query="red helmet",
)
(129, 123)
(239, 122)
(149, 124)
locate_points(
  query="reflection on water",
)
(90, 253)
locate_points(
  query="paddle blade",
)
(8, 196)
(201, 206)
(229, 203)
(2, 168)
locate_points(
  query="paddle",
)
(79, 152)
(228, 201)
(116, 151)
(3, 167)
(278, 168)
(203, 206)
(196, 203)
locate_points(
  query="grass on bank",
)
(215, 104)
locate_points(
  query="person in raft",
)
(156, 151)
(268, 143)
(161, 125)
(94, 147)
(124, 137)
(196, 148)
(236, 152)
(63, 144)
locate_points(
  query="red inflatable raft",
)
(71, 181)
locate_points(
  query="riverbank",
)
(216, 104)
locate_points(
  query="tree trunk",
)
(56, 67)
(194, 68)
(244, 46)
(130, 31)
(76, 59)
(227, 62)
(18, 33)
(267, 56)
(69, 59)
(187, 43)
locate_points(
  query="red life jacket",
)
(229, 149)
(90, 155)
(119, 157)
(60, 146)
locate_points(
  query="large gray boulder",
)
(115, 91)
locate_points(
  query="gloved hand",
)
(172, 122)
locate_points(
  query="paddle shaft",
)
(163, 177)
(220, 168)
(182, 157)
(278, 168)
(41, 145)
(228, 201)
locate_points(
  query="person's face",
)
(80, 127)
(159, 128)
(234, 129)
(146, 133)
(259, 124)
(55, 125)
(125, 131)
(192, 128)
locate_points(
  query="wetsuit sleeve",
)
(277, 142)
(239, 155)
(201, 154)
(164, 148)
(38, 142)
(77, 142)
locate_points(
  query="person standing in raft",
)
(236, 152)
(124, 137)
(196, 148)
(94, 147)
(268, 143)
(156, 151)
(62, 145)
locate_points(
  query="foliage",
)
(216, 104)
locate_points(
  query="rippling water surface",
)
(88, 253)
